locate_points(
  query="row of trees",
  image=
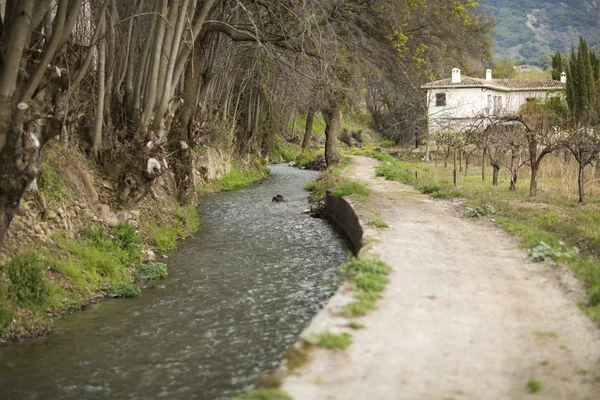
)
(139, 83)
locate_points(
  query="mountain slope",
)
(528, 29)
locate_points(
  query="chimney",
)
(563, 77)
(488, 74)
(455, 75)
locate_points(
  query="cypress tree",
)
(572, 77)
(581, 83)
(557, 66)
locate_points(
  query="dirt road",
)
(464, 317)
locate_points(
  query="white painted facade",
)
(467, 98)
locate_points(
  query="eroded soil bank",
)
(464, 316)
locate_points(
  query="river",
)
(237, 296)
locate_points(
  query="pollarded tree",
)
(584, 143)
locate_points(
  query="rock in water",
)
(278, 199)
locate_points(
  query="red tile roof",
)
(507, 85)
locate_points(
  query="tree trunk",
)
(310, 117)
(580, 181)
(101, 76)
(460, 160)
(533, 184)
(495, 173)
(454, 169)
(333, 118)
(483, 166)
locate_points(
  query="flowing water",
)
(237, 296)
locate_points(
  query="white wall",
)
(463, 105)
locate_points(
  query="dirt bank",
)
(464, 317)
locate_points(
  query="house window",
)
(490, 103)
(440, 99)
(497, 104)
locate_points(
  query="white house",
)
(454, 103)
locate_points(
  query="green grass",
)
(238, 179)
(377, 223)
(329, 340)
(282, 151)
(188, 216)
(533, 385)
(352, 188)
(262, 394)
(356, 325)
(124, 289)
(358, 308)
(387, 143)
(305, 157)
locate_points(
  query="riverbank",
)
(72, 244)
(462, 302)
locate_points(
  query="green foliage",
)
(358, 308)
(352, 188)
(52, 184)
(329, 340)
(304, 158)
(188, 216)
(452, 194)
(581, 87)
(533, 385)
(594, 297)
(546, 252)
(504, 68)
(127, 239)
(367, 275)
(283, 151)
(356, 325)
(393, 172)
(480, 211)
(26, 281)
(310, 186)
(557, 66)
(150, 271)
(262, 394)
(6, 316)
(377, 223)
(387, 143)
(237, 179)
(430, 189)
(124, 289)
(165, 236)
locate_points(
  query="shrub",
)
(124, 289)
(387, 143)
(381, 156)
(238, 179)
(151, 271)
(6, 317)
(27, 283)
(393, 172)
(545, 252)
(307, 157)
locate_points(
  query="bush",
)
(124, 289)
(387, 143)
(27, 284)
(151, 271)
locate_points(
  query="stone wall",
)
(340, 211)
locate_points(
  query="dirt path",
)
(464, 317)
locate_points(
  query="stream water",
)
(237, 296)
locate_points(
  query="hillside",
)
(528, 29)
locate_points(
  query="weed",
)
(452, 194)
(352, 188)
(431, 297)
(381, 156)
(546, 335)
(310, 186)
(544, 363)
(533, 385)
(127, 238)
(330, 340)
(356, 325)
(306, 157)
(481, 211)
(124, 289)
(27, 284)
(367, 275)
(393, 172)
(164, 235)
(52, 183)
(546, 252)
(358, 308)
(238, 179)
(297, 356)
(377, 223)
(150, 271)
(387, 143)
(188, 216)
(262, 394)
(430, 189)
